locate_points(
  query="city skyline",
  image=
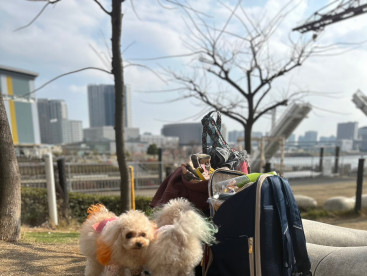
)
(156, 32)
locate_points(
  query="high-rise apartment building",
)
(101, 104)
(347, 131)
(21, 107)
(55, 126)
(58, 109)
(50, 112)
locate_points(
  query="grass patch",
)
(320, 214)
(315, 214)
(50, 237)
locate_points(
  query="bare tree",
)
(234, 69)
(10, 199)
(118, 74)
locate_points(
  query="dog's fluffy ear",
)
(111, 234)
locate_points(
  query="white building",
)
(160, 140)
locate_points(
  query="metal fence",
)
(98, 178)
(314, 166)
(95, 177)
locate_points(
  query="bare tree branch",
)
(166, 57)
(106, 62)
(145, 67)
(63, 75)
(266, 110)
(37, 15)
(101, 6)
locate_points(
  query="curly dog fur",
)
(122, 242)
(178, 246)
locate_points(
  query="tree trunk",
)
(10, 192)
(248, 139)
(117, 70)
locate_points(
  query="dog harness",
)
(99, 226)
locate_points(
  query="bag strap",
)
(288, 255)
(292, 229)
(298, 236)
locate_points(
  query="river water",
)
(314, 161)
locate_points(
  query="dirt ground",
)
(40, 259)
(64, 259)
(323, 189)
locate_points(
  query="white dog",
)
(115, 242)
(178, 246)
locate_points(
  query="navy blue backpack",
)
(260, 231)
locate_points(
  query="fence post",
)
(64, 186)
(132, 186)
(321, 159)
(358, 205)
(267, 167)
(51, 194)
(336, 164)
(70, 183)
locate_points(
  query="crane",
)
(342, 11)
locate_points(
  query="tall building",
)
(49, 113)
(55, 126)
(347, 131)
(58, 109)
(44, 119)
(21, 108)
(101, 103)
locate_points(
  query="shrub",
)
(35, 206)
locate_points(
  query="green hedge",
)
(35, 206)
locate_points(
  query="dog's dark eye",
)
(143, 234)
(129, 235)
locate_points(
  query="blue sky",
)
(76, 34)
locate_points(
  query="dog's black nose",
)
(139, 244)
